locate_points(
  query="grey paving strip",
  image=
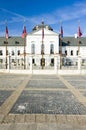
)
(76, 92)
(43, 79)
(46, 89)
(8, 104)
(45, 84)
(4, 95)
(8, 89)
(81, 90)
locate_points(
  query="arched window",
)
(66, 52)
(18, 52)
(71, 52)
(13, 53)
(42, 48)
(33, 48)
(51, 49)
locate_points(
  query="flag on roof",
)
(42, 30)
(61, 32)
(79, 32)
(24, 32)
(7, 35)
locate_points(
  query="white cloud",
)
(69, 15)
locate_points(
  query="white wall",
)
(49, 37)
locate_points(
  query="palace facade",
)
(51, 52)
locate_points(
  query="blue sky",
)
(54, 12)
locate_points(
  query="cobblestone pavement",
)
(42, 102)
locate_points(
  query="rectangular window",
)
(1, 60)
(65, 52)
(52, 62)
(13, 60)
(71, 52)
(77, 53)
(12, 53)
(1, 53)
(16, 42)
(18, 52)
(51, 49)
(33, 61)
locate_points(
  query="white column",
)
(8, 59)
(31, 63)
(58, 62)
(55, 63)
(79, 62)
(26, 61)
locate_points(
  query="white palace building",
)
(36, 53)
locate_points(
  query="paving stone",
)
(11, 81)
(52, 126)
(19, 118)
(38, 77)
(30, 118)
(4, 95)
(50, 118)
(5, 126)
(18, 126)
(84, 93)
(45, 84)
(79, 82)
(1, 118)
(40, 118)
(44, 110)
(61, 119)
(47, 102)
(32, 126)
(9, 119)
(81, 120)
(42, 126)
(73, 120)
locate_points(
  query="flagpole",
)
(6, 52)
(78, 38)
(24, 37)
(78, 45)
(24, 53)
(42, 45)
(6, 44)
(60, 52)
(61, 35)
(79, 35)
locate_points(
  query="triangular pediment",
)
(46, 32)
